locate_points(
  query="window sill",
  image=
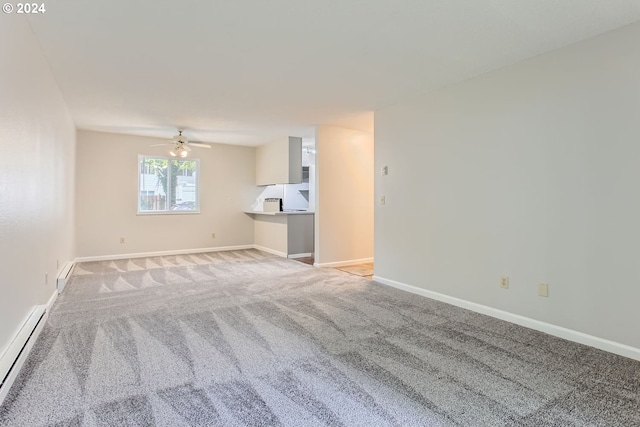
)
(168, 213)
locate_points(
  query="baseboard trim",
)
(343, 263)
(52, 300)
(294, 256)
(558, 331)
(199, 250)
(14, 357)
(163, 253)
(269, 250)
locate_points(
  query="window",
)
(167, 185)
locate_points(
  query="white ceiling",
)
(248, 71)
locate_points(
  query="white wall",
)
(271, 233)
(344, 198)
(533, 172)
(106, 195)
(37, 137)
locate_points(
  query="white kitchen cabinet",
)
(279, 162)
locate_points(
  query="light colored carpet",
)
(246, 339)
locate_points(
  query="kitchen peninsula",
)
(288, 234)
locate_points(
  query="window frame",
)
(168, 211)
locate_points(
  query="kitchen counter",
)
(279, 213)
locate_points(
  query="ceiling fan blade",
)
(199, 144)
(186, 147)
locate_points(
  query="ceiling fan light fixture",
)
(181, 146)
(179, 151)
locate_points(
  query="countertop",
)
(280, 213)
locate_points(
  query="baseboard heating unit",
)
(16, 354)
(64, 275)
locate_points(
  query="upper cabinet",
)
(279, 162)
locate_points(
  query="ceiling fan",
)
(181, 145)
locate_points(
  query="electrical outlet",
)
(383, 200)
(122, 240)
(46, 278)
(213, 235)
(543, 289)
(504, 282)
